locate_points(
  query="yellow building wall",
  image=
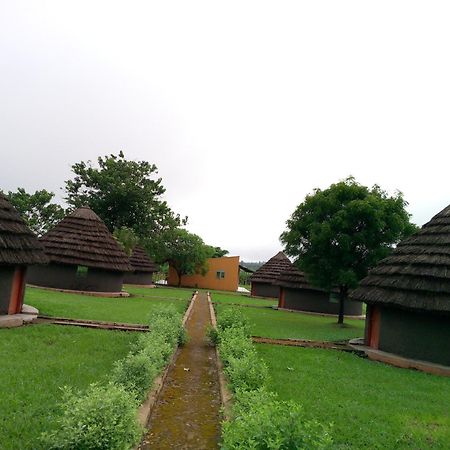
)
(227, 264)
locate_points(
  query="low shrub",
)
(212, 334)
(233, 343)
(155, 348)
(261, 421)
(166, 321)
(231, 318)
(103, 418)
(247, 373)
(135, 373)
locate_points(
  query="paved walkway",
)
(187, 414)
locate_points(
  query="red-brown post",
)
(281, 299)
(374, 326)
(17, 291)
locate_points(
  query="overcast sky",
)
(244, 106)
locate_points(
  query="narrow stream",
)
(187, 414)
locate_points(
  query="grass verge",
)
(241, 299)
(372, 405)
(284, 325)
(37, 361)
(126, 309)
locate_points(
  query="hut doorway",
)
(17, 291)
(374, 327)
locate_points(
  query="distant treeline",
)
(252, 265)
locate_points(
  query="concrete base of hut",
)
(27, 315)
(400, 361)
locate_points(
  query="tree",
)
(36, 209)
(126, 238)
(187, 253)
(337, 234)
(217, 252)
(128, 194)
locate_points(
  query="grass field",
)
(159, 292)
(282, 324)
(372, 405)
(125, 309)
(36, 361)
(242, 299)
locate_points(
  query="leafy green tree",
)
(217, 252)
(126, 238)
(337, 234)
(187, 253)
(125, 193)
(37, 209)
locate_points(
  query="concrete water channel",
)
(187, 413)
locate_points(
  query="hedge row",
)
(105, 416)
(259, 419)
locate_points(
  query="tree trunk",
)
(179, 278)
(342, 297)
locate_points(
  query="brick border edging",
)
(145, 410)
(225, 395)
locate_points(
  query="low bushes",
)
(151, 353)
(259, 420)
(104, 417)
(263, 422)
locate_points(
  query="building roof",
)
(83, 239)
(141, 262)
(294, 279)
(417, 274)
(270, 271)
(245, 269)
(18, 244)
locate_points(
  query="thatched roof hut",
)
(263, 279)
(298, 294)
(142, 268)
(19, 247)
(18, 244)
(83, 255)
(408, 294)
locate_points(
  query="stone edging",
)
(225, 395)
(145, 410)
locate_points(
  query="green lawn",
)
(159, 292)
(372, 405)
(242, 299)
(36, 361)
(283, 324)
(124, 309)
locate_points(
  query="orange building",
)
(222, 275)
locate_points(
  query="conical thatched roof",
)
(141, 262)
(417, 274)
(272, 269)
(18, 244)
(83, 239)
(295, 279)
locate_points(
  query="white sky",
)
(244, 106)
